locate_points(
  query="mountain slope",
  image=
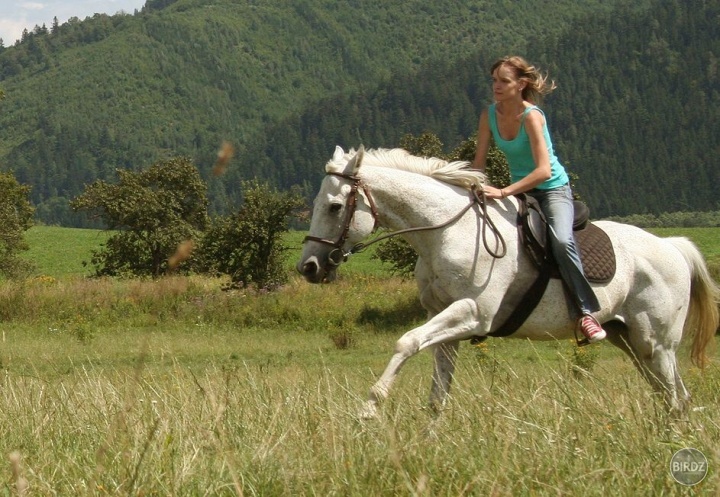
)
(178, 78)
(634, 116)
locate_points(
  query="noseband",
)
(336, 256)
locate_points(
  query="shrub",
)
(247, 245)
(16, 215)
(155, 210)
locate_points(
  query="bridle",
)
(337, 256)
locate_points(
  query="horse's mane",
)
(455, 173)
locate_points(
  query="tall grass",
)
(288, 427)
(175, 387)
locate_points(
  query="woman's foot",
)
(591, 329)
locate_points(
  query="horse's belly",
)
(552, 318)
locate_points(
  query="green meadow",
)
(177, 387)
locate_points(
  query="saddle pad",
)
(597, 253)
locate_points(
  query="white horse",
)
(660, 289)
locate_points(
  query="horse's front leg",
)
(458, 321)
(445, 358)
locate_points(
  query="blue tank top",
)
(519, 153)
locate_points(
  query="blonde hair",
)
(537, 84)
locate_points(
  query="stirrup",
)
(581, 342)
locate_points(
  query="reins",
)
(476, 199)
(337, 255)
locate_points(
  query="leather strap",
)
(529, 301)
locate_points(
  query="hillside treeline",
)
(634, 115)
(638, 114)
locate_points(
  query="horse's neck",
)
(406, 200)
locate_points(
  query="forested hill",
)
(287, 80)
(636, 113)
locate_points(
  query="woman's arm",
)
(483, 142)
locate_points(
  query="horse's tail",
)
(703, 315)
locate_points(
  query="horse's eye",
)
(335, 208)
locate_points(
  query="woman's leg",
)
(557, 205)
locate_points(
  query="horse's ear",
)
(356, 161)
(338, 154)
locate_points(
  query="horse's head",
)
(342, 216)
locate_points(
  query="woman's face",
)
(506, 86)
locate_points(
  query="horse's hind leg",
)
(657, 363)
(662, 373)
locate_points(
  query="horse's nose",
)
(308, 268)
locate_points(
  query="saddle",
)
(596, 252)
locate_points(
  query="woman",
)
(520, 130)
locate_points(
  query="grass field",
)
(60, 252)
(175, 387)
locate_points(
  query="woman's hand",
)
(492, 192)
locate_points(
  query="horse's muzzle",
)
(314, 273)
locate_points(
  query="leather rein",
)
(337, 256)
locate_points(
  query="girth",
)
(596, 253)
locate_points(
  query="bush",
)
(154, 211)
(248, 245)
(398, 254)
(16, 215)
(672, 220)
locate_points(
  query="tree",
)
(155, 211)
(247, 245)
(16, 214)
(425, 145)
(496, 166)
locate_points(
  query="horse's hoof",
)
(368, 412)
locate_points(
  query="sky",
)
(16, 15)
